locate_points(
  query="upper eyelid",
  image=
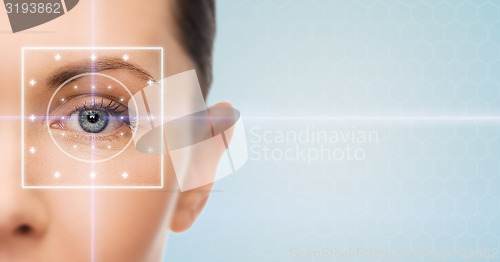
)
(79, 106)
(103, 106)
(110, 105)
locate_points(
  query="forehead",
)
(108, 22)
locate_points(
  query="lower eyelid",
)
(114, 141)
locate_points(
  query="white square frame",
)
(23, 118)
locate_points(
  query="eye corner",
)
(57, 124)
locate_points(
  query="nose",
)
(23, 215)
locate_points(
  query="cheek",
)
(130, 225)
(114, 225)
(69, 225)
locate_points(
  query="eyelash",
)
(112, 108)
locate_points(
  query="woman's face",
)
(80, 224)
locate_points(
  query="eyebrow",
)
(66, 72)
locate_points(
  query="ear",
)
(190, 203)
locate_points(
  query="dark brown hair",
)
(196, 23)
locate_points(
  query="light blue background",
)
(432, 179)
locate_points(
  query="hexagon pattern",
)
(423, 75)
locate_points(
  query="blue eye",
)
(93, 121)
(93, 115)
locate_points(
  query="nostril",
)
(24, 229)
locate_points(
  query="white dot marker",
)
(93, 57)
(150, 150)
(57, 57)
(109, 147)
(75, 147)
(63, 134)
(92, 175)
(62, 99)
(109, 87)
(93, 87)
(57, 175)
(63, 117)
(121, 133)
(76, 87)
(32, 117)
(125, 57)
(150, 82)
(32, 150)
(121, 99)
(124, 175)
(32, 82)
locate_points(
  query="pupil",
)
(93, 118)
(93, 121)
